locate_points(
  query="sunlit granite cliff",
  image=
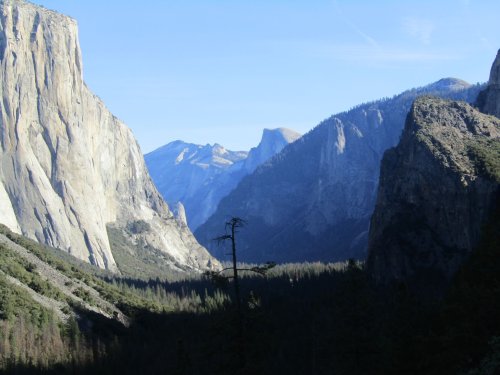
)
(69, 168)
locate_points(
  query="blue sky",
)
(208, 71)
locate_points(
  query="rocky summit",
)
(437, 189)
(70, 170)
(271, 143)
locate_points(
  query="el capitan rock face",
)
(313, 201)
(69, 168)
(436, 191)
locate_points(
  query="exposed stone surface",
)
(200, 176)
(180, 213)
(313, 201)
(271, 143)
(68, 166)
(488, 100)
(435, 193)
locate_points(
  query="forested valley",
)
(299, 318)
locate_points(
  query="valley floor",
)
(298, 319)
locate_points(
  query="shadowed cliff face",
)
(437, 189)
(488, 100)
(313, 201)
(68, 166)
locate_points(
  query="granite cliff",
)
(70, 170)
(271, 143)
(488, 100)
(438, 188)
(313, 201)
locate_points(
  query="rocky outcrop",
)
(69, 167)
(437, 189)
(180, 213)
(200, 176)
(313, 201)
(488, 100)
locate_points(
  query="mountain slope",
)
(56, 310)
(434, 194)
(64, 291)
(69, 168)
(438, 187)
(185, 172)
(313, 201)
(200, 176)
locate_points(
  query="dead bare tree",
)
(233, 224)
(231, 229)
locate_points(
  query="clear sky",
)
(208, 71)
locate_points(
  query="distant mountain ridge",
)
(199, 176)
(313, 201)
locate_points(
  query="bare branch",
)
(222, 238)
(236, 222)
(261, 270)
(266, 267)
(225, 269)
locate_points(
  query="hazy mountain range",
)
(200, 176)
(314, 200)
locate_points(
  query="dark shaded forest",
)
(299, 319)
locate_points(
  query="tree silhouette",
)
(231, 229)
(232, 226)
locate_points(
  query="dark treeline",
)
(309, 319)
(331, 322)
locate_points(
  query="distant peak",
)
(449, 83)
(495, 71)
(288, 135)
(169, 146)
